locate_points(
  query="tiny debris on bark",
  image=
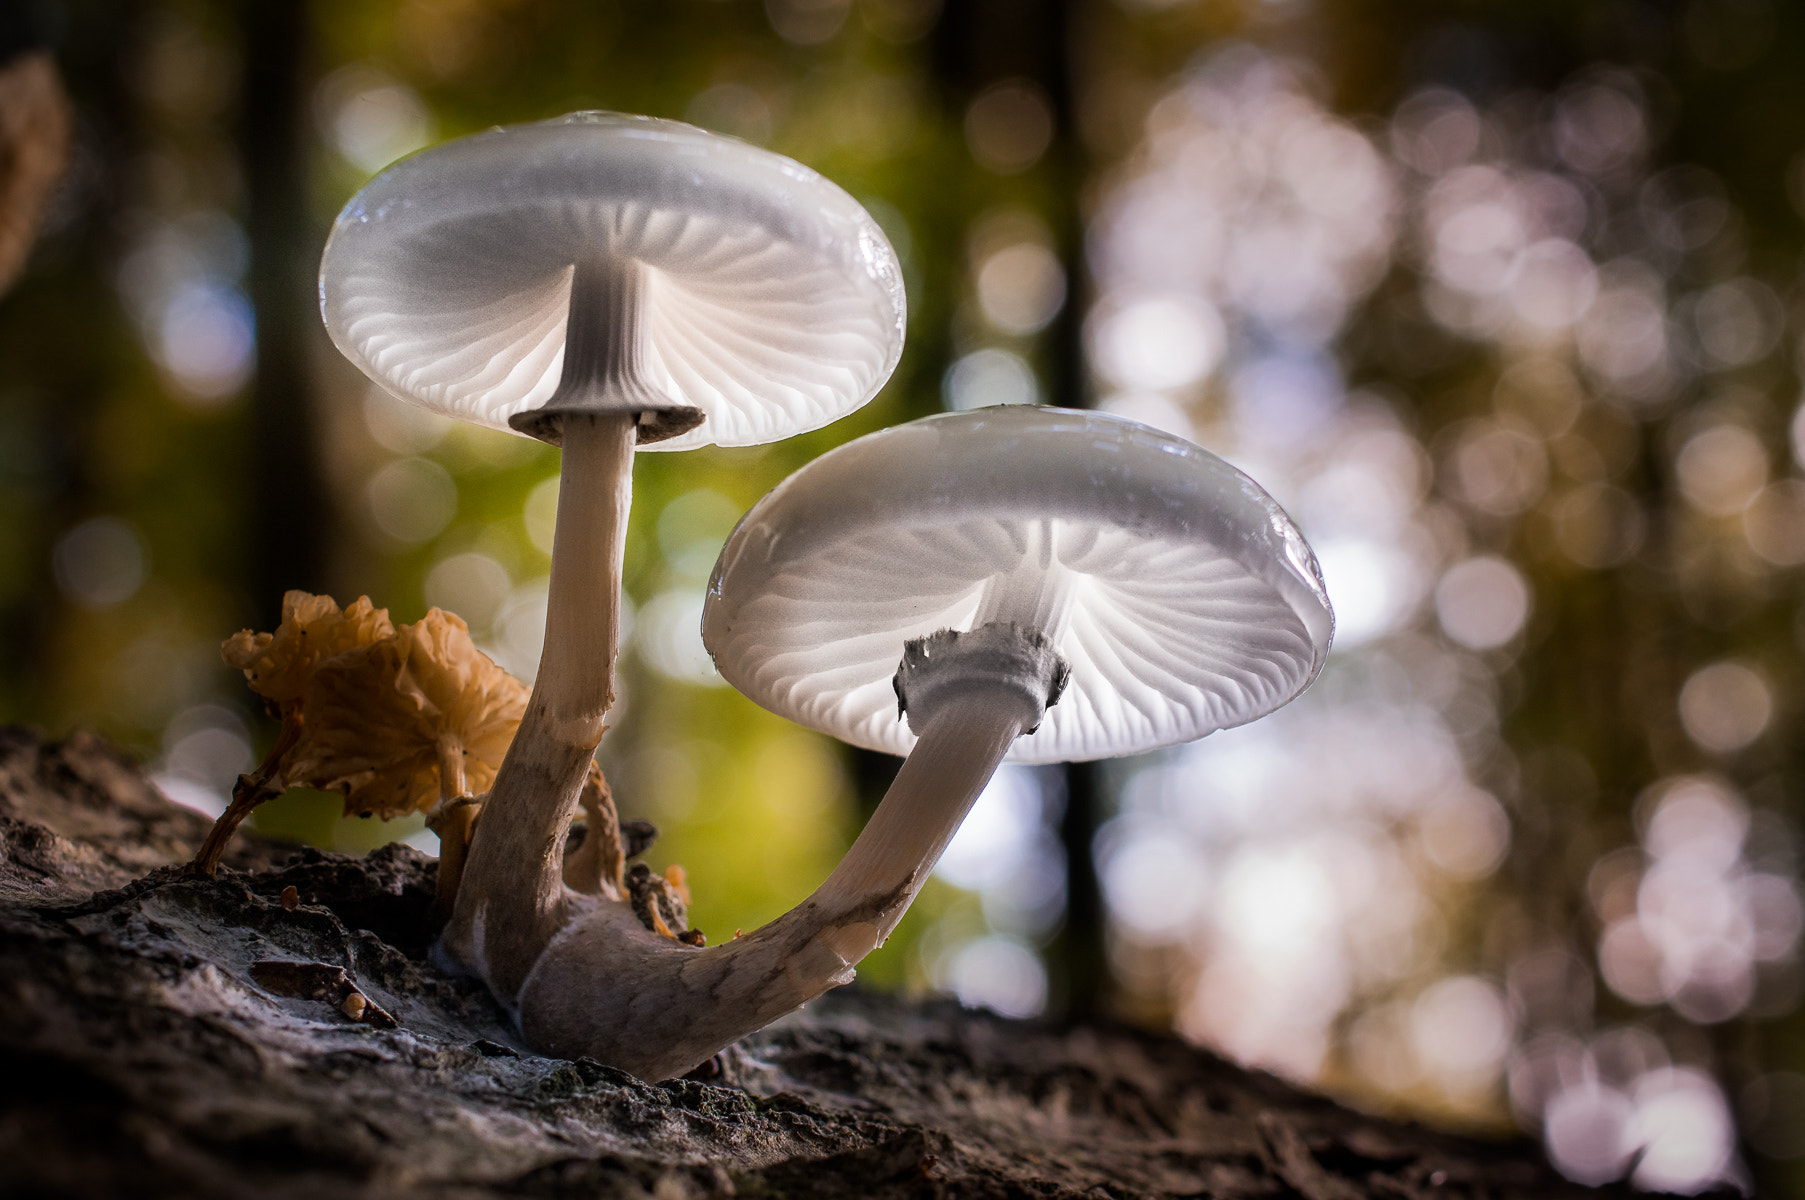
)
(301, 980)
(163, 1034)
(489, 1049)
(320, 981)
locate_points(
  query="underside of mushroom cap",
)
(772, 301)
(1188, 600)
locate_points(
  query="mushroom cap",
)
(1195, 603)
(773, 302)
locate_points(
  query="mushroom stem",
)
(452, 822)
(1036, 594)
(604, 339)
(959, 750)
(609, 988)
(512, 900)
(608, 365)
(452, 782)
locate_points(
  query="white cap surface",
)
(773, 303)
(1193, 602)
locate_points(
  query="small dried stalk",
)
(265, 783)
(597, 867)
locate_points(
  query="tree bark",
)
(165, 1034)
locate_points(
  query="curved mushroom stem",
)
(512, 900)
(610, 989)
(960, 748)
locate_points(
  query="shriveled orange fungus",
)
(400, 723)
(279, 665)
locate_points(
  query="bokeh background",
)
(1501, 299)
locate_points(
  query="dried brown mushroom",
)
(399, 721)
(407, 721)
(416, 722)
(278, 666)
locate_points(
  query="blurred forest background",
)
(1502, 299)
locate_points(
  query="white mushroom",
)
(600, 281)
(1025, 582)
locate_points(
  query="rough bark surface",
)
(162, 1034)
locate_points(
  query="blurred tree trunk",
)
(980, 43)
(166, 1035)
(290, 520)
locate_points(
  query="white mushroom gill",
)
(1037, 591)
(1182, 597)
